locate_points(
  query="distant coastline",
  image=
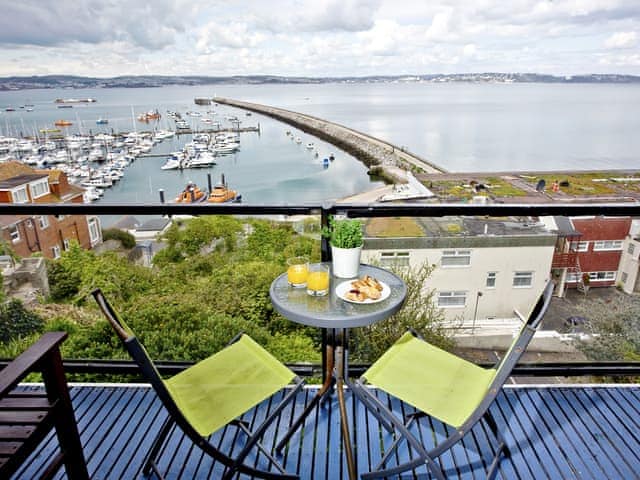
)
(150, 81)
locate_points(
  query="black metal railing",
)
(354, 211)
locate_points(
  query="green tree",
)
(419, 313)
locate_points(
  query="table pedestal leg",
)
(329, 381)
(346, 436)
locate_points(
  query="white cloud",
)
(469, 50)
(621, 40)
(234, 35)
(317, 37)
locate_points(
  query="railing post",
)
(325, 251)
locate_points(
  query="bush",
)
(419, 313)
(126, 239)
(17, 322)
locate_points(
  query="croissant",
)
(364, 288)
(355, 295)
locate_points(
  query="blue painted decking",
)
(553, 432)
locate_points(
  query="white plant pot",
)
(345, 261)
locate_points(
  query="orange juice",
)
(297, 274)
(318, 280)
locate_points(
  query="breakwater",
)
(381, 157)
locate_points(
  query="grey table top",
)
(330, 311)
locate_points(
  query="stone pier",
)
(378, 155)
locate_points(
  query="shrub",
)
(16, 321)
(126, 239)
(419, 312)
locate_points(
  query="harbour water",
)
(459, 126)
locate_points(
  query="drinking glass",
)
(318, 279)
(297, 271)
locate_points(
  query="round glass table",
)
(335, 316)
(331, 311)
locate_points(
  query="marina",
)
(278, 160)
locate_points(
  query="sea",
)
(461, 127)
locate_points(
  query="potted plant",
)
(346, 239)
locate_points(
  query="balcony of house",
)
(484, 267)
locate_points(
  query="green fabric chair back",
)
(445, 385)
(214, 391)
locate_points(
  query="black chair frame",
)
(150, 373)
(394, 425)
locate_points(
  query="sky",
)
(105, 38)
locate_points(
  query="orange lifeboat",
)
(151, 115)
(191, 194)
(221, 194)
(62, 123)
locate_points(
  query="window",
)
(44, 222)
(60, 217)
(603, 245)
(572, 277)
(55, 250)
(65, 244)
(452, 299)
(94, 230)
(631, 248)
(456, 258)
(491, 280)
(579, 246)
(522, 279)
(623, 277)
(39, 188)
(394, 259)
(602, 276)
(15, 233)
(19, 195)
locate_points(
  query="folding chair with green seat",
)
(213, 393)
(440, 384)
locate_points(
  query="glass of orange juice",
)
(297, 271)
(318, 279)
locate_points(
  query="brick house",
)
(49, 234)
(588, 247)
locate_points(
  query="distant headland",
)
(147, 81)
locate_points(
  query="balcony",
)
(581, 432)
(553, 431)
(564, 260)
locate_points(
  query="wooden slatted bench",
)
(27, 417)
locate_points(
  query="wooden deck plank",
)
(600, 432)
(521, 426)
(543, 442)
(581, 433)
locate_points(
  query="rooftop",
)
(580, 432)
(21, 180)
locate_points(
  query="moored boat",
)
(191, 194)
(62, 123)
(102, 121)
(222, 194)
(148, 116)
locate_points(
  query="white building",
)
(484, 268)
(629, 270)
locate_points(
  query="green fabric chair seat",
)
(222, 387)
(430, 379)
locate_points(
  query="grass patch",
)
(501, 188)
(584, 184)
(461, 189)
(393, 227)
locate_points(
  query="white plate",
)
(344, 287)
